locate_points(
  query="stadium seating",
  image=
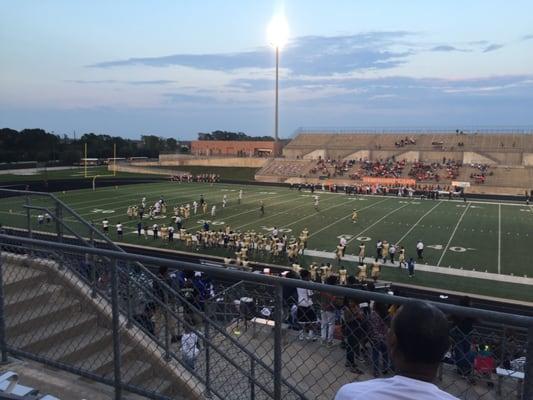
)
(429, 157)
(280, 167)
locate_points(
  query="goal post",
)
(110, 162)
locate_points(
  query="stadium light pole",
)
(278, 34)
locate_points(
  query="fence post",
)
(252, 379)
(116, 333)
(278, 320)
(129, 324)
(94, 280)
(165, 306)
(207, 350)
(59, 217)
(3, 345)
(527, 393)
(28, 216)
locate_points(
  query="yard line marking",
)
(417, 222)
(337, 221)
(499, 239)
(284, 211)
(255, 210)
(378, 221)
(171, 215)
(453, 234)
(314, 214)
(166, 191)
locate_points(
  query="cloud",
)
(492, 47)
(386, 89)
(445, 48)
(188, 98)
(108, 81)
(527, 37)
(307, 55)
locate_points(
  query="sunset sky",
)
(175, 68)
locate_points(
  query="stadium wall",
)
(177, 159)
(144, 170)
(527, 159)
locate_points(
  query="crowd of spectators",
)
(481, 175)
(332, 168)
(405, 142)
(390, 168)
(435, 171)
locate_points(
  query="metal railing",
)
(254, 344)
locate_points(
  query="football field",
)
(474, 246)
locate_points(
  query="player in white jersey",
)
(213, 210)
(240, 196)
(316, 202)
(143, 202)
(195, 206)
(119, 229)
(224, 202)
(105, 225)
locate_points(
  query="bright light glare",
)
(278, 31)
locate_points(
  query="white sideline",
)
(432, 268)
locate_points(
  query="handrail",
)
(122, 256)
(495, 316)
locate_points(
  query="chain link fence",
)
(171, 330)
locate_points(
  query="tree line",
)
(41, 146)
(225, 135)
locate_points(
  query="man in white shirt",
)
(417, 342)
(105, 225)
(195, 206)
(119, 230)
(305, 312)
(343, 243)
(420, 250)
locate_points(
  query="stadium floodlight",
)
(278, 35)
(278, 31)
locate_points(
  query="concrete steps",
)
(53, 321)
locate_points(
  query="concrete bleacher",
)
(281, 168)
(499, 143)
(50, 312)
(510, 155)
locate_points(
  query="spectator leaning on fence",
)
(417, 341)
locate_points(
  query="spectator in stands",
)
(354, 330)
(417, 341)
(145, 319)
(461, 334)
(378, 331)
(190, 345)
(305, 313)
(328, 306)
(160, 295)
(290, 299)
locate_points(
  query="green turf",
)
(456, 236)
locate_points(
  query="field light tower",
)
(278, 34)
